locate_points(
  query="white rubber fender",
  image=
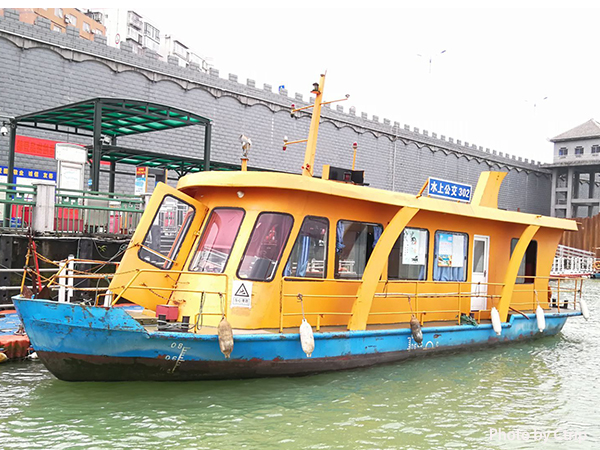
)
(541, 318)
(496, 323)
(225, 337)
(584, 309)
(307, 339)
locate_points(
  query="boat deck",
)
(150, 323)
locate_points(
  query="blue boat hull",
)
(84, 343)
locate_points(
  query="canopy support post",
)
(97, 148)
(207, 132)
(113, 169)
(10, 176)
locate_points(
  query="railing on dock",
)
(96, 212)
(21, 199)
(569, 261)
(68, 210)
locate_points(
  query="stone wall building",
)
(42, 69)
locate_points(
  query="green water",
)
(446, 401)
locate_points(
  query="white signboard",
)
(242, 294)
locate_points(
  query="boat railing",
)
(419, 298)
(68, 276)
(179, 286)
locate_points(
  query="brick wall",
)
(41, 69)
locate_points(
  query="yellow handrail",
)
(459, 295)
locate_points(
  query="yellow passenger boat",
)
(251, 274)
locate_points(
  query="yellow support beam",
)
(513, 270)
(362, 305)
(487, 189)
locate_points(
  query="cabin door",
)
(479, 277)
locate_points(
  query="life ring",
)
(597, 266)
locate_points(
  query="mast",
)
(313, 134)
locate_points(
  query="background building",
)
(60, 18)
(576, 172)
(124, 25)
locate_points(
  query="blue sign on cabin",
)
(449, 190)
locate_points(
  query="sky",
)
(512, 74)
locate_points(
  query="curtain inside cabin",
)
(450, 253)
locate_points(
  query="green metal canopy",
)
(119, 117)
(101, 118)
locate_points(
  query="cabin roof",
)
(282, 181)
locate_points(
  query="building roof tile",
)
(589, 129)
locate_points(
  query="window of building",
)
(354, 244)
(71, 19)
(563, 151)
(217, 240)
(86, 27)
(528, 265)
(578, 151)
(152, 32)
(56, 28)
(167, 232)
(180, 49)
(134, 20)
(265, 247)
(309, 255)
(450, 253)
(408, 259)
(58, 12)
(595, 149)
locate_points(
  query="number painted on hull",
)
(179, 358)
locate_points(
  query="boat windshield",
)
(167, 232)
(217, 240)
(266, 245)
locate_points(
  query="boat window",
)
(408, 259)
(217, 240)
(309, 255)
(528, 267)
(265, 247)
(167, 232)
(450, 253)
(353, 247)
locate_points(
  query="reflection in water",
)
(446, 401)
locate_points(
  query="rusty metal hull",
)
(82, 343)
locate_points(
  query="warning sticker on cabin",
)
(242, 294)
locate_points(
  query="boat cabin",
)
(266, 249)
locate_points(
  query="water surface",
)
(454, 400)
